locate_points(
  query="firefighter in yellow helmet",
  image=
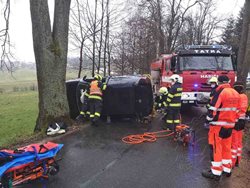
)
(213, 82)
(95, 98)
(160, 100)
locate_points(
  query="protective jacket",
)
(161, 101)
(224, 107)
(174, 96)
(243, 106)
(96, 88)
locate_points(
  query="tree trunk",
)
(101, 39)
(243, 55)
(94, 41)
(80, 60)
(50, 48)
(106, 38)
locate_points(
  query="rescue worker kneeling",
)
(239, 125)
(95, 98)
(222, 117)
(174, 103)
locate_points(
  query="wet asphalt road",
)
(97, 158)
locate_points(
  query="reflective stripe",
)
(170, 121)
(216, 164)
(170, 95)
(95, 97)
(83, 113)
(177, 121)
(177, 95)
(97, 114)
(169, 100)
(216, 172)
(86, 94)
(234, 150)
(179, 89)
(104, 87)
(242, 117)
(92, 115)
(212, 108)
(238, 154)
(226, 169)
(209, 118)
(222, 123)
(175, 104)
(239, 149)
(226, 161)
(226, 109)
(165, 104)
(87, 112)
(234, 156)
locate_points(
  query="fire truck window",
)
(206, 63)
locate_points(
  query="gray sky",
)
(21, 33)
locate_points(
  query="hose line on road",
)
(147, 137)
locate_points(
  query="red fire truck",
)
(195, 64)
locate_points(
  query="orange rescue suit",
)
(238, 131)
(222, 117)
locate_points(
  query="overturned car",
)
(125, 96)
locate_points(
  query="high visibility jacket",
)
(224, 107)
(95, 88)
(161, 100)
(174, 96)
(243, 106)
(212, 93)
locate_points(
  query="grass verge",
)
(18, 114)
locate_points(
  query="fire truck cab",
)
(195, 64)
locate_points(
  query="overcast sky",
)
(21, 33)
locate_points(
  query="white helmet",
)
(175, 78)
(163, 90)
(213, 79)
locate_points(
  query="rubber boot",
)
(210, 175)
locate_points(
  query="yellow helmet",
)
(98, 77)
(163, 90)
(213, 79)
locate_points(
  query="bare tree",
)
(50, 48)
(106, 42)
(6, 54)
(244, 49)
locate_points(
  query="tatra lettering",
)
(207, 51)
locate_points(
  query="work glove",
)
(225, 133)
(209, 118)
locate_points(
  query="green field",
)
(17, 116)
(19, 105)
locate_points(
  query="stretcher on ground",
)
(28, 163)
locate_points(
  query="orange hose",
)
(146, 137)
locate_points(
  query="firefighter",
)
(84, 113)
(173, 103)
(160, 101)
(213, 81)
(95, 98)
(222, 117)
(239, 125)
